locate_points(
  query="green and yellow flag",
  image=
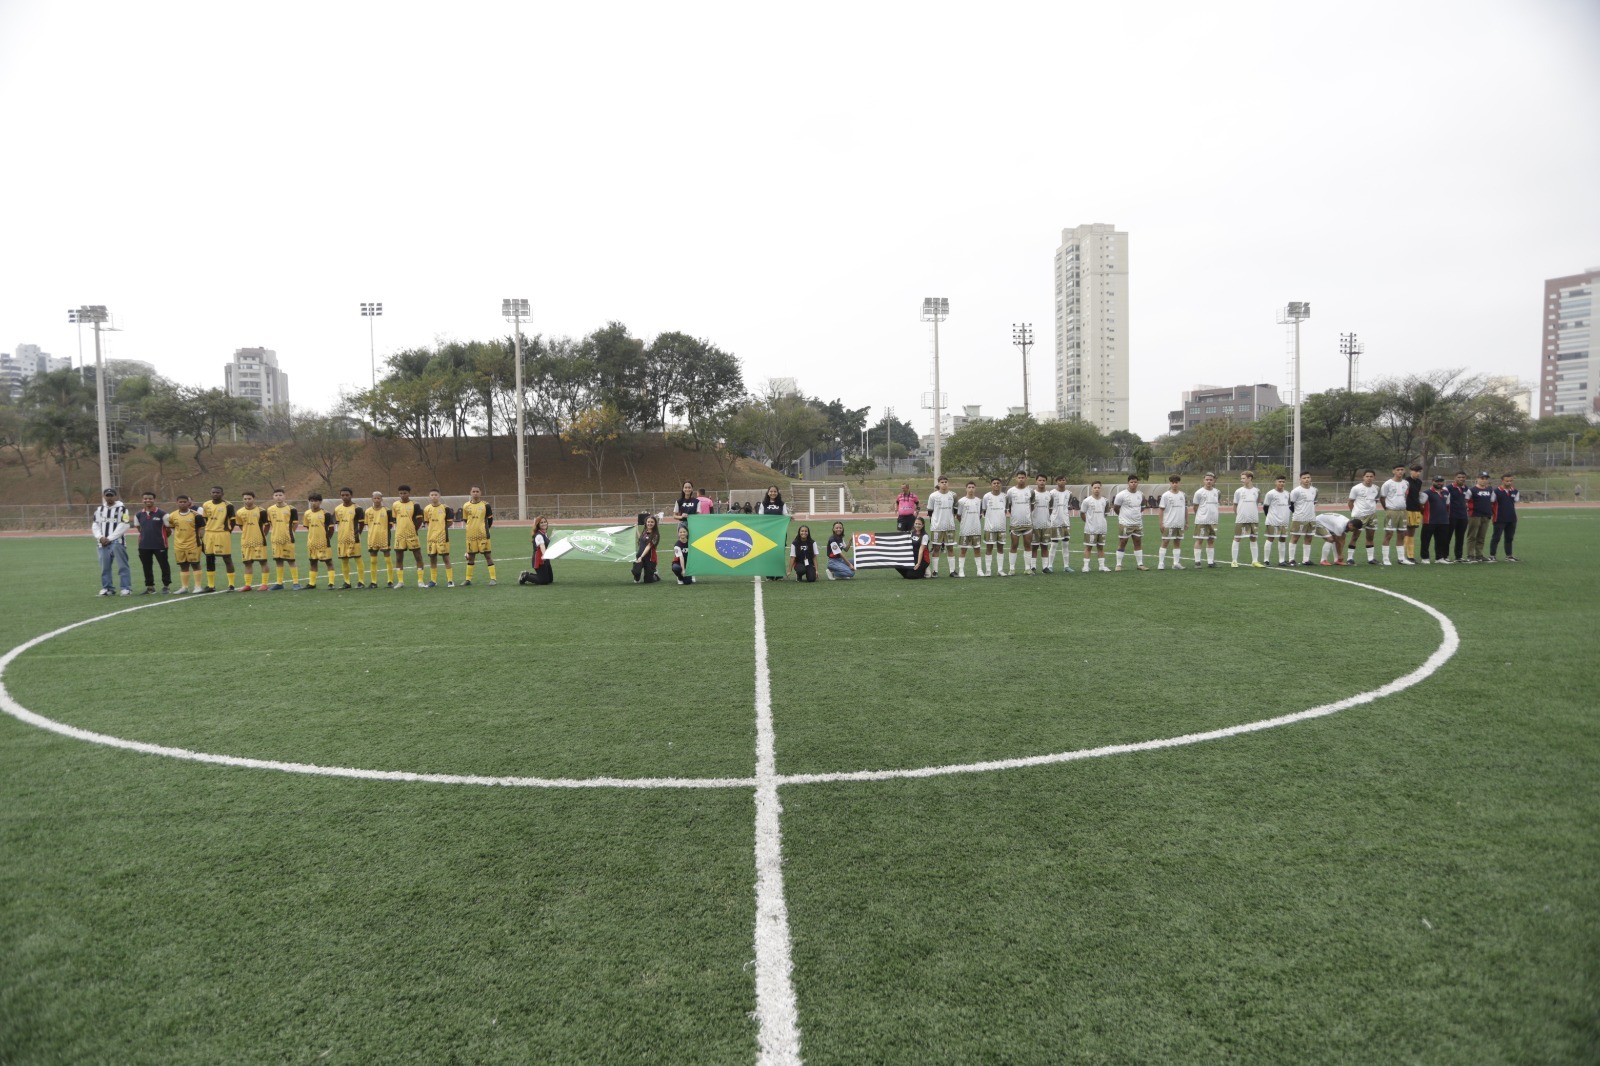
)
(737, 544)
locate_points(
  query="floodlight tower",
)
(1294, 314)
(97, 314)
(1351, 349)
(515, 311)
(1022, 337)
(936, 309)
(370, 311)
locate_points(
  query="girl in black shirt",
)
(644, 556)
(919, 541)
(803, 555)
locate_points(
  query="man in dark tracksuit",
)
(153, 533)
(1480, 498)
(1435, 533)
(1505, 517)
(1459, 514)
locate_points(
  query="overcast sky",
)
(790, 182)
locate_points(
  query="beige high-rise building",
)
(1569, 367)
(1092, 326)
(254, 375)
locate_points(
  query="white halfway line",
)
(777, 1013)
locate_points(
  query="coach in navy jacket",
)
(1457, 493)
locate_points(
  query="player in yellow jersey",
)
(319, 539)
(438, 516)
(281, 520)
(378, 522)
(187, 528)
(218, 514)
(251, 522)
(407, 514)
(349, 515)
(479, 516)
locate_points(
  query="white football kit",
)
(1020, 503)
(1278, 508)
(1130, 509)
(1304, 500)
(1363, 500)
(970, 509)
(994, 516)
(941, 508)
(1246, 506)
(1094, 515)
(1173, 506)
(1207, 507)
(1393, 494)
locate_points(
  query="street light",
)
(97, 314)
(1295, 314)
(370, 312)
(936, 309)
(516, 311)
(1022, 337)
(1351, 349)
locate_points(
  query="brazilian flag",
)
(747, 545)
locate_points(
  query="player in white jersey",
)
(1174, 517)
(1061, 524)
(1207, 516)
(942, 525)
(1041, 524)
(1332, 528)
(1276, 503)
(969, 519)
(1019, 502)
(1364, 505)
(1396, 524)
(1130, 522)
(1246, 513)
(1094, 507)
(994, 529)
(1303, 500)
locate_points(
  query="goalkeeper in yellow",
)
(348, 516)
(438, 517)
(479, 516)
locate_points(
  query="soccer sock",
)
(1119, 556)
(1327, 551)
(294, 573)
(1305, 551)
(1370, 555)
(361, 569)
(1211, 551)
(1386, 555)
(1138, 556)
(1235, 549)
(491, 571)
(448, 574)
(1255, 550)
(211, 579)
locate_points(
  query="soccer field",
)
(1031, 819)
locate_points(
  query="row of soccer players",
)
(361, 536)
(1037, 518)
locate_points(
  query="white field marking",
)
(1447, 648)
(21, 713)
(777, 1013)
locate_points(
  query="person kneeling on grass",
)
(680, 557)
(803, 555)
(839, 568)
(1333, 528)
(922, 552)
(541, 574)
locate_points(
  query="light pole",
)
(1351, 349)
(96, 313)
(1022, 337)
(936, 309)
(1295, 314)
(370, 311)
(516, 311)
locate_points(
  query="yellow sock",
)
(448, 576)
(361, 569)
(344, 569)
(491, 571)
(230, 579)
(399, 574)
(433, 571)
(469, 572)
(211, 579)
(294, 573)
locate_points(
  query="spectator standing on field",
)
(1480, 498)
(153, 533)
(1435, 524)
(110, 525)
(905, 508)
(1505, 517)
(1460, 511)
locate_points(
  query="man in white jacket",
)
(109, 528)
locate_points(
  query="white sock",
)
(1327, 551)
(1119, 556)
(1138, 556)
(1235, 549)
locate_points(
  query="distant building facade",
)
(1091, 285)
(20, 367)
(1520, 393)
(1569, 366)
(254, 375)
(1237, 403)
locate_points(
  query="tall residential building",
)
(19, 368)
(1569, 367)
(1236, 403)
(254, 375)
(1092, 326)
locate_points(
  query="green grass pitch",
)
(1410, 880)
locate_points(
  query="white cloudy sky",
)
(790, 181)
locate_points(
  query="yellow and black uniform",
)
(407, 513)
(478, 517)
(280, 535)
(378, 521)
(349, 518)
(319, 535)
(438, 517)
(187, 528)
(219, 523)
(252, 525)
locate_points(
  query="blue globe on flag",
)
(734, 544)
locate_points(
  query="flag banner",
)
(743, 545)
(879, 551)
(611, 543)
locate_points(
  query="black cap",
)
(1483, 473)
(109, 492)
(1438, 479)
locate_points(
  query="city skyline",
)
(709, 182)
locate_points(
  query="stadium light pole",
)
(96, 313)
(1296, 313)
(1022, 337)
(516, 311)
(370, 311)
(936, 309)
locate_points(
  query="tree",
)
(60, 419)
(1211, 444)
(199, 415)
(778, 428)
(591, 433)
(162, 455)
(895, 429)
(846, 423)
(859, 466)
(561, 382)
(707, 389)
(1416, 410)
(992, 448)
(620, 374)
(13, 434)
(1066, 448)
(325, 443)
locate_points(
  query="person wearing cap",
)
(1481, 502)
(153, 533)
(1460, 511)
(1414, 488)
(1505, 517)
(1435, 529)
(109, 527)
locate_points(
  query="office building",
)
(20, 367)
(1091, 271)
(1569, 366)
(254, 375)
(1236, 403)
